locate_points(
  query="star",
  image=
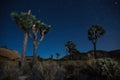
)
(116, 3)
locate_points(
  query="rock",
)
(9, 54)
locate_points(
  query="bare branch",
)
(29, 12)
(41, 37)
(31, 37)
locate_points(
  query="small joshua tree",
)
(94, 33)
(70, 46)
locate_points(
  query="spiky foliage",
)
(41, 29)
(24, 21)
(44, 29)
(94, 33)
(70, 46)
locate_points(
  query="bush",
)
(48, 70)
(9, 70)
(73, 71)
(104, 69)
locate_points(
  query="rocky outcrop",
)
(9, 54)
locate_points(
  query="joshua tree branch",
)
(29, 12)
(31, 37)
(41, 36)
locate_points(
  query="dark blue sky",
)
(69, 20)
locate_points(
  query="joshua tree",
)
(42, 29)
(67, 50)
(24, 21)
(57, 56)
(70, 46)
(94, 33)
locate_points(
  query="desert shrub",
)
(103, 69)
(9, 70)
(69, 72)
(73, 71)
(25, 70)
(108, 68)
(46, 70)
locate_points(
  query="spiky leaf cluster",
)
(70, 45)
(24, 20)
(44, 27)
(95, 32)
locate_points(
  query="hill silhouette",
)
(14, 55)
(114, 53)
(89, 54)
(9, 54)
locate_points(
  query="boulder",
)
(9, 54)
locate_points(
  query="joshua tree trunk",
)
(35, 41)
(94, 44)
(24, 49)
(34, 52)
(35, 45)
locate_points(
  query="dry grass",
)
(50, 70)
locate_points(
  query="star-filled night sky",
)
(69, 20)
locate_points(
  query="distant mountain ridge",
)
(114, 53)
(13, 55)
(99, 53)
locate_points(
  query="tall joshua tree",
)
(38, 29)
(70, 46)
(94, 33)
(24, 21)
